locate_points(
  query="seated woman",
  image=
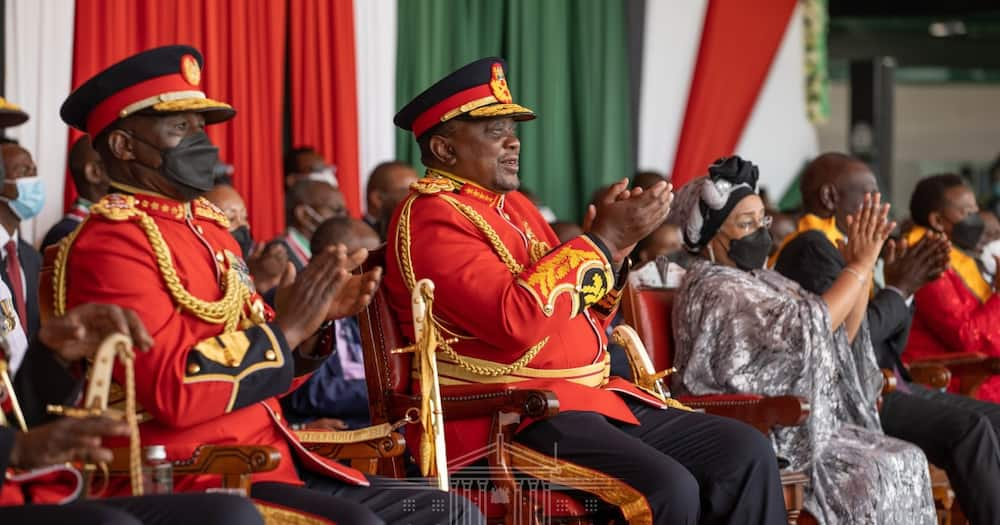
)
(742, 328)
(959, 311)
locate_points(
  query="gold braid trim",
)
(406, 266)
(491, 235)
(226, 311)
(59, 270)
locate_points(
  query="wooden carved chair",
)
(648, 311)
(522, 475)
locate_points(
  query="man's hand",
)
(622, 217)
(66, 439)
(355, 294)
(867, 231)
(324, 290)
(910, 268)
(77, 334)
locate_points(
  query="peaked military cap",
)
(162, 80)
(476, 90)
(11, 114)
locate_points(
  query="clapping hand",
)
(623, 217)
(867, 231)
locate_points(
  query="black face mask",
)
(243, 238)
(190, 164)
(967, 232)
(750, 252)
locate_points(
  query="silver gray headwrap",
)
(703, 204)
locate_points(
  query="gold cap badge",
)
(190, 70)
(498, 84)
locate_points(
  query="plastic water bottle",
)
(157, 471)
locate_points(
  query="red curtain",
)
(243, 42)
(738, 42)
(323, 87)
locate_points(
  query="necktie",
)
(16, 287)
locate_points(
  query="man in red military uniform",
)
(528, 310)
(220, 357)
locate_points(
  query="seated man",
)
(956, 433)
(530, 311)
(221, 358)
(91, 182)
(22, 197)
(387, 186)
(30, 460)
(337, 389)
(307, 204)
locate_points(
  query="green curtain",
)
(567, 60)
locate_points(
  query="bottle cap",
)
(154, 452)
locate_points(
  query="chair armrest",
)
(972, 369)
(485, 400)
(961, 361)
(759, 411)
(234, 463)
(385, 447)
(212, 459)
(930, 375)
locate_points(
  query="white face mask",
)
(990, 252)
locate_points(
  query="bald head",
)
(87, 169)
(388, 185)
(350, 232)
(834, 185)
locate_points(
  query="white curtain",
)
(375, 48)
(671, 35)
(779, 137)
(39, 54)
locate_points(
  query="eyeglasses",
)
(748, 224)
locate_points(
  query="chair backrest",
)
(387, 374)
(648, 310)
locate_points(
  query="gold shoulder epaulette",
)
(430, 185)
(206, 209)
(116, 207)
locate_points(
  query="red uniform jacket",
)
(199, 383)
(499, 309)
(950, 318)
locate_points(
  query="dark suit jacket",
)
(812, 261)
(31, 264)
(42, 380)
(59, 231)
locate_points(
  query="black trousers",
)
(959, 435)
(385, 501)
(691, 467)
(189, 509)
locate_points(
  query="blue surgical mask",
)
(30, 197)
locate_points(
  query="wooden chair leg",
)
(520, 510)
